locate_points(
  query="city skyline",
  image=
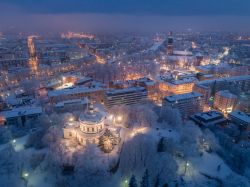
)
(124, 93)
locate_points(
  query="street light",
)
(110, 117)
(71, 119)
(26, 175)
(119, 118)
(186, 165)
(14, 141)
(125, 183)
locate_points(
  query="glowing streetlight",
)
(14, 141)
(119, 118)
(71, 119)
(186, 165)
(26, 175)
(110, 117)
(125, 183)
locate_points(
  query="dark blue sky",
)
(125, 15)
(148, 7)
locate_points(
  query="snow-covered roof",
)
(72, 102)
(75, 90)
(146, 81)
(125, 91)
(178, 97)
(209, 115)
(182, 53)
(226, 93)
(21, 111)
(83, 80)
(240, 115)
(230, 79)
(183, 81)
(91, 118)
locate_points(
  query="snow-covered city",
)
(105, 106)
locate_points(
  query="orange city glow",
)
(100, 60)
(133, 76)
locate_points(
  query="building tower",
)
(170, 47)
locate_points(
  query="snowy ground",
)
(193, 171)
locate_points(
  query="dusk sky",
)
(125, 15)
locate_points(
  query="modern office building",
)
(127, 96)
(71, 105)
(225, 101)
(187, 104)
(209, 87)
(181, 86)
(209, 118)
(20, 116)
(240, 118)
(76, 93)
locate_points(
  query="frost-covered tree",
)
(172, 116)
(5, 135)
(132, 181)
(136, 153)
(145, 179)
(108, 141)
(91, 169)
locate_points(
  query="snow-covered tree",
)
(172, 116)
(132, 181)
(91, 169)
(145, 179)
(108, 141)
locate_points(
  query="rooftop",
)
(241, 115)
(183, 53)
(178, 97)
(226, 93)
(183, 81)
(21, 111)
(125, 91)
(209, 115)
(91, 116)
(230, 79)
(72, 102)
(74, 90)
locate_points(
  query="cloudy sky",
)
(125, 15)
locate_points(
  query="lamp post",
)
(14, 142)
(186, 165)
(25, 176)
(125, 183)
(71, 119)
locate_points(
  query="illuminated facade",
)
(128, 96)
(187, 104)
(225, 101)
(76, 93)
(88, 128)
(177, 86)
